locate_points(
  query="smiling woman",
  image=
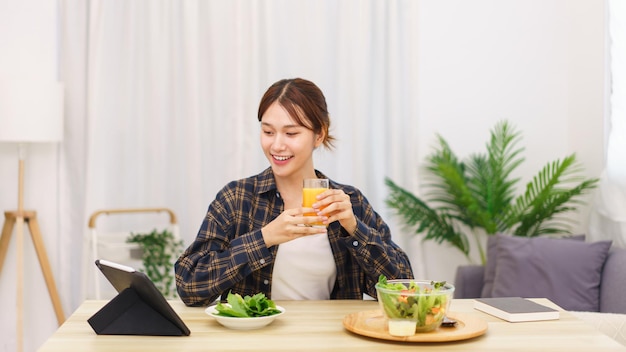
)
(254, 236)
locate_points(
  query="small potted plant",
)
(159, 250)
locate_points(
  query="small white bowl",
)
(243, 323)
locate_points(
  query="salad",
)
(247, 307)
(426, 303)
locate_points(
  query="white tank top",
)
(304, 269)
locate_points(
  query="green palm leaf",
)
(438, 225)
(549, 194)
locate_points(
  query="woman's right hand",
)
(291, 224)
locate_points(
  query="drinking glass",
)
(311, 188)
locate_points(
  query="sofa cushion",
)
(614, 282)
(490, 265)
(468, 281)
(566, 272)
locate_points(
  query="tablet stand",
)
(128, 314)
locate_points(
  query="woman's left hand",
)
(336, 206)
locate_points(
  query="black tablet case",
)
(138, 309)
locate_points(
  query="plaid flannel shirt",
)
(229, 253)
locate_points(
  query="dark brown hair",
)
(304, 102)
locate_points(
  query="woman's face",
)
(287, 145)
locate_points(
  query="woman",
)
(254, 237)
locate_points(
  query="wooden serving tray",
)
(374, 324)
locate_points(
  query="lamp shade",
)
(31, 111)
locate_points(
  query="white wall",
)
(538, 63)
(28, 48)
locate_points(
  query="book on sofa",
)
(515, 309)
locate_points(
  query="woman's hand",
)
(336, 206)
(291, 224)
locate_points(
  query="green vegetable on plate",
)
(247, 307)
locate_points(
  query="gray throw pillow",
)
(566, 272)
(490, 265)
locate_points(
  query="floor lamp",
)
(30, 112)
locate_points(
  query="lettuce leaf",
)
(247, 307)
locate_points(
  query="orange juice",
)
(313, 187)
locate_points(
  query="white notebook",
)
(515, 309)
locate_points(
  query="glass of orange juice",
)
(311, 188)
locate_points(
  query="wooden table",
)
(318, 325)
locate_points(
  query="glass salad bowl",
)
(413, 306)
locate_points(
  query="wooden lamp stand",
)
(19, 217)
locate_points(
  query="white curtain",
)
(608, 221)
(172, 89)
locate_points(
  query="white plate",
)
(243, 323)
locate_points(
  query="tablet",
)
(123, 277)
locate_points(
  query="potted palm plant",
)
(477, 195)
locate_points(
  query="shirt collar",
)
(265, 181)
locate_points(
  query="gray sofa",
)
(469, 281)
